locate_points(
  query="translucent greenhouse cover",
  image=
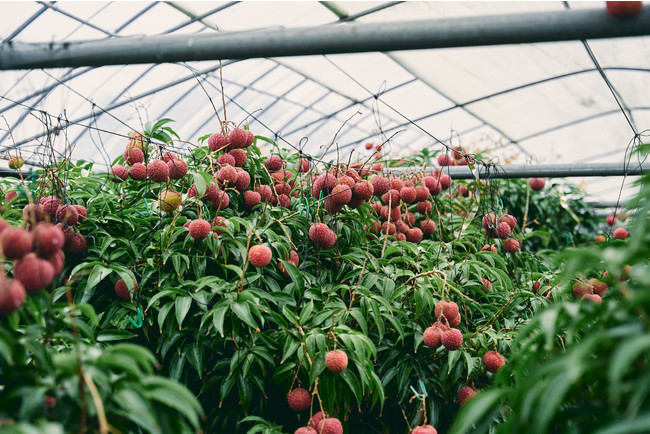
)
(524, 103)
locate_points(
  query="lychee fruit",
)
(445, 181)
(33, 213)
(138, 172)
(49, 239)
(243, 180)
(238, 138)
(452, 339)
(81, 211)
(158, 171)
(486, 283)
(15, 243)
(620, 234)
(341, 194)
(50, 205)
(391, 198)
(274, 162)
(77, 244)
(421, 193)
(305, 430)
(251, 199)
(122, 290)
(133, 155)
(414, 235)
(303, 165)
(511, 245)
(444, 160)
(493, 361)
(503, 230)
(12, 295)
(599, 287)
(581, 288)
(536, 184)
(34, 273)
(217, 141)
(239, 155)
(465, 393)
(511, 220)
(369, 145)
(428, 226)
(227, 175)
(321, 235)
(489, 248)
(16, 162)
(393, 214)
(622, 9)
(380, 185)
(593, 297)
(266, 194)
(118, 173)
(331, 425)
(199, 229)
(464, 191)
(11, 195)
(226, 160)
(447, 309)
(299, 399)
(57, 259)
(285, 201)
(408, 194)
(136, 140)
(317, 419)
(169, 156)
(169, 200)
(424, 207)
(336, 361)
(431, 337)
(4, 225)
(259, 256)
(424, 429)
(250, 138)
(221, 200)
(68, 215)
(177, 169)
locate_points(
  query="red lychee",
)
(593, 297)
(393, 214)
(259, 256)
(221, 200)
(380, 185)
(81, 211)
(620, 234)
(299, 399)
(226, 159)
(238, 138)
(408, 194)
(414, 235)
(305, 430)
(503, 230)
(227, 175)
(536, 184)
(599, 287)
(158, 171)
(266, 194)
(445, 181)
(217, 141)
(341, 194)
(317, 419)
(274, 162)
(444, 160)
(336, 361)
(133, 155)
(251, 199)
(68, 215)
(431, 337)
(331, 425)
(199, 229)
(34, 273)
(33, 213)
(57, 259)
(15, 243)
(138, 172)
(511, 220)
(12, 295)
(489, 248)
(452, 339)
(424, 207)
(49, 239)
(447, 309)
(464, 191)
(622, 9)
(169, 156)
(77, 245)
(321, 235)
(424, 429)
(122, 290)
(421, 193)
(239, 155)
(50, 204)
(493, 361)
(118, 173)
(428, 226)
(177, 169)
(511, 245)
(465, 393)
(243, 180)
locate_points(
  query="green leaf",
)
(182, 305)
(199, 182)
(475, 410)
(243, 312)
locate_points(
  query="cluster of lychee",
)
(68, 216)
(443, 331)
(457, 158)
(500, 227)
(37, 259)
(592, 289)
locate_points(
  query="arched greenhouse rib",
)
(324, 217)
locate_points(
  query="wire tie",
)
(140, 322)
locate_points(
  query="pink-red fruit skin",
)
(493, 361)
(259, 256)
(199, 229)
(305, 430)
(336, 361)
(331, 425)
(122, 290)
(620, 234)
(34, 273)
(424, 429)
(452, 339)
(299, 399)
(12, 296)
(536, 184)
(15, 243)
(465, 393)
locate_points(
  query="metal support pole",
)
(349, 38)
(547, 170)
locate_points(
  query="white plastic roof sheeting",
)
(560, 111)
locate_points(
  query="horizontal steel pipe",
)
(344, 38)
(547, 170)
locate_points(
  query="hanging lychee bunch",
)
(443, 331)
(38, 259)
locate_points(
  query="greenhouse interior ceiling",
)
(570, 101)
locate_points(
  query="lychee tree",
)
(251, 275)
